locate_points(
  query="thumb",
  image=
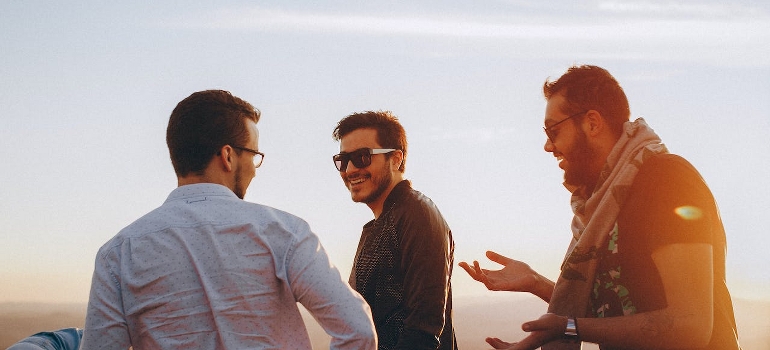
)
(500, 259)
(540, 324)
(544, 323)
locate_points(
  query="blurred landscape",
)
(498, 314)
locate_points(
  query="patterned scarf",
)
(595, 219)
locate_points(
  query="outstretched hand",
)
(547, 328)
(499, 344)
(515, 275)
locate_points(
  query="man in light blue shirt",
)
(207, 270)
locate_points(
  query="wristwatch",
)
(571, 331)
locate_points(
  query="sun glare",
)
(688, 212)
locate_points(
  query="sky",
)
(86, 90)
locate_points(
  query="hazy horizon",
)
(497, 314)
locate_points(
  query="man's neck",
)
(200, 179)
(378, 206)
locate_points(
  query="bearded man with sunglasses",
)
(645, 268)
(208, 270)
(403, 264)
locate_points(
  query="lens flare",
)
(688, 212)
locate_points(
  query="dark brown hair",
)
(202, 124)
(390, 133)
(591, 88)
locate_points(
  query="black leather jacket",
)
(403, 268)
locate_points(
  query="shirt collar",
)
(200, 189)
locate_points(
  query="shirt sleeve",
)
(318, 286)
(105, 326)
(426, 260)
(680, 208)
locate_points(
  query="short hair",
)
(202, 124)
(390, 132)
(588, 87)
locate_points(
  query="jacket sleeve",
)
(426, 260)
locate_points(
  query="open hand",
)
(515, 275)
(499, 344)
(547, 328)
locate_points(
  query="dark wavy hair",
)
(590, 87)
(390, 133)
(202, 124)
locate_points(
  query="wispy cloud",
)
(475, 136)
(259, 18)
(611, 29)
(668, 9)
(656, 21)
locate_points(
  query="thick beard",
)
(579, 173)
(382, 183)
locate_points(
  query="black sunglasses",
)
(361, 158)
(549, 130)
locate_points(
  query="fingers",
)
(531, 342)
(497, 343)
(481, 273)
(477, 273)
(468, 269)
(477, 268)
(474, 271)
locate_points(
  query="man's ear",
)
(398, 159)
(593, 123)
(225, 158)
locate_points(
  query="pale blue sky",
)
(86, 90)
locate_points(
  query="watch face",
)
(571, 329)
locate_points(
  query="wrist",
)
(543, 288)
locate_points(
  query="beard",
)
(239, 188)
(580, 158)
(379, 180)
(381, 183)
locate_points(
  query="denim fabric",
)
(63, 339)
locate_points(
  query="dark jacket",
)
(403, 268)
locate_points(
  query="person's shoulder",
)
(270, 217)
(136, 227)
(667, 166)
(667, 160)
(405, 193)
(416, 200)
(671, 176)
(415, 206)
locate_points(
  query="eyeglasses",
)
(549, 130)
(258, 156)
(361, 158)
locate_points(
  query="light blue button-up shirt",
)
(207, 270)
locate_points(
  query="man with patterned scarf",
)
(645, 268)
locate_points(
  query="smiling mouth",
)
(358, 180)
(560, 160)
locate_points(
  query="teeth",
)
(356, 181)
